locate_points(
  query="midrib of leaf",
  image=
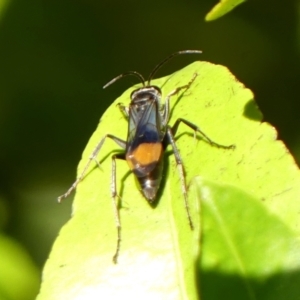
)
(225, 232)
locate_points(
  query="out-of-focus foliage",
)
(222, 8)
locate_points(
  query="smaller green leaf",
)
(222, 8)
(3, 213)
(236, 256)
(19, 277)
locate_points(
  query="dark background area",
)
(55, 56)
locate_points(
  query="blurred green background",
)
(55, 56)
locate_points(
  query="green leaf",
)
(159, 252)
(222, 8)
(246, 250)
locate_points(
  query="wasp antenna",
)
(168, 58)
(125, 74)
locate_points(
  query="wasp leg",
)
(92, 157)
(171, 140)
(115, 202)
(166, 113)
(197, 129)
(124, 110)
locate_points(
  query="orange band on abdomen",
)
(144, 154)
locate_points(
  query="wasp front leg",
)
(166, 113)
(124, 110)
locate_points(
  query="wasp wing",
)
(144, 125)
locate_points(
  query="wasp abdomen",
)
(144, 154)
(146, 163)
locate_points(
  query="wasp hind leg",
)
(93, 157)
(115, 198)
(171, 140)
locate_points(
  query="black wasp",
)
(148, 136)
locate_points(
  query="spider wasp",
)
(148, 136)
